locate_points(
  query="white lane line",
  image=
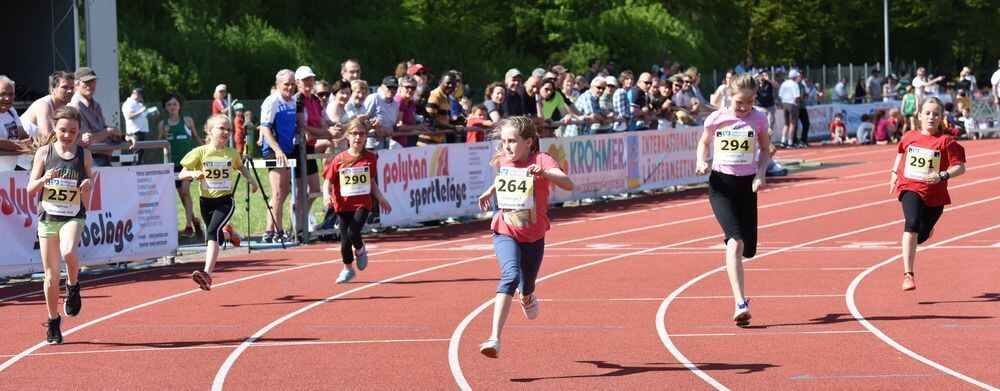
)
(689, 297)
(661, 328)
(751, 334)
(852, 289)
(232, 346)
(42, 344)
(90, 280)
(453, 360)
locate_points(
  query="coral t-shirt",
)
(527, 226)
(924, 154)
(835, 125)
(352, 186)
(474, 136)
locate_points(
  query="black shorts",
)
(920, 218)
(216, 213)
(311, 168)
(179, 182)
(735, 206)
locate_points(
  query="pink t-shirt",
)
(539, 221)
(724, 119)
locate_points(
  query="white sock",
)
(349, 266)
(358, 251)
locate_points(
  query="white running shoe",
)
(742, 314)
(530, 309)
(490, 348)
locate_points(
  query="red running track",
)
(620, 286)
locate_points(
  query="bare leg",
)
(501, 306)
(50, 261)
(734, 267)
(211, 255)
(909, 251)
(69, 238)
(279, 191)
(185, 194)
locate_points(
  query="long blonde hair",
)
(525, 128)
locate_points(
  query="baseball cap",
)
(138, 90)
(559, 69)
(416, 68)
(538, 72)
(611, 80)
(304, 72)
(390, 81)
(85, 74)
(221, 87)
(511, 73)
(794, 73)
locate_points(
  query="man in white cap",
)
(383, 112)
(514, 105)
(791, 98)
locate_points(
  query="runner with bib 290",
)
(348, 187)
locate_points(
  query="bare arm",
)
(893, 178)
(38, 176)
(194, 131)
(701, 154)
(557, 176)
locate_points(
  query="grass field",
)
(258, 210)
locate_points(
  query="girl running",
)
(350, 181)
(926, 160)
(62, 171)
(522, 191)
(741, 155)
(212, 164)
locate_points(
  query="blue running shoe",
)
(346, 276)
(361, 257)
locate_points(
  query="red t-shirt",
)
(474, 136)
(536, 229)
(354, 202)
(935, 146)
(837, 125)
(217, 106)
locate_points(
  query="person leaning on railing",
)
(438, 109)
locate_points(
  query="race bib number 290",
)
(355, 181)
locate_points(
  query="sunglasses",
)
(323, 95)
(645, 82)
(410, 88)
(600, 88)
(422, 73)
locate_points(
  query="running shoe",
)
(234, 237)
(188, 232)
(54, 335)
(908, 283)
(490, 348)
(742, 314)
(268, 237)
(530, 309)
(73, 303)
(346, 275)
(361, 256)
(203, 279)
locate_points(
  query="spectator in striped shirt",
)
(620, 101)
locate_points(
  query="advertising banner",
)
(131, 215)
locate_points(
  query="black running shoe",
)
(54, 334)
(73, 303)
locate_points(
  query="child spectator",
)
(838, 130)
(865, 129)
(476, 117)
(909, 109)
